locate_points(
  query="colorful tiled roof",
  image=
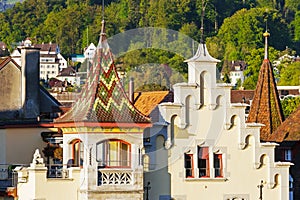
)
(289, 130)
(266, 108)
(103, 99)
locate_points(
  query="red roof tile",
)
(241, 96)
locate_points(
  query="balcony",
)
(108, 176)
(8, 178)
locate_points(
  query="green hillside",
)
(232, 28)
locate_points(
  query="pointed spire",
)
(103, 99)
(266, 108)
(102, 33)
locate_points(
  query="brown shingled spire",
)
(266, 108)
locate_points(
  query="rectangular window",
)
(218, 165)
(203, 162)
(287, 154)
(188, 165)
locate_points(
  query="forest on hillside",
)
(232, 28)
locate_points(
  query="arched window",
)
(77, 153)
(113, 153)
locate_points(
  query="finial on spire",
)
(266, 35)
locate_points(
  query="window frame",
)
(107, 153)
(189, 161)
(77, 153)
(200, 161)
(206, 164)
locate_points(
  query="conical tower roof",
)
(103, 99)
(266, 108)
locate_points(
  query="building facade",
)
(210, 146)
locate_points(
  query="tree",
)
(289, 105)
(254, 62)
(290, 75)
(242, 32)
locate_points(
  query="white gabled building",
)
(89, 52)
(212, 153)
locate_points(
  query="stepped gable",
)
(103, 99)
(266, 108)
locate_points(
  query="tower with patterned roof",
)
(266, 108)
(103, 133)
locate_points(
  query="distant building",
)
(51, 61)
(89, 52)
(235, 70)
(69, 74)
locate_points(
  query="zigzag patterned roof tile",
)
(103, 98)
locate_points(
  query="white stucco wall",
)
(33, 184)
(202, 115)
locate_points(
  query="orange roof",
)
(289, 130)
(146, 102)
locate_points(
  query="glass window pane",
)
(113, 153)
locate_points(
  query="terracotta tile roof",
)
(241, 96)
(146, 102)
(69, 71)
(289, 130)
(266, 108)
(103, 99)
(51, 47)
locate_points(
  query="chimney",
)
(30, 78)
(131, 90)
